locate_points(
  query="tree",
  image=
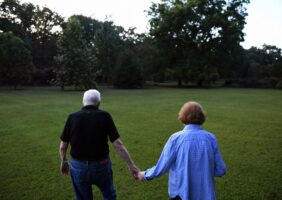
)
(45, 31)
(269, 71)
(144, 50)
(37, 27)
(108, 44)
(128, 73)
(198, 38)
(76, 61)
(15, 60)
(90, 26)
(266, 55)
(149, 59)
(9, 10)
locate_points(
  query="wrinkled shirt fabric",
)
(193, 159)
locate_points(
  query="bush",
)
(43, 76)
(264, 83)
(248, 83)
(279, 85)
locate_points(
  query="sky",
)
(264, 20)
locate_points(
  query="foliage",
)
(149, 59)
(271, 73)
(90, 27)
(76, 61)
(43, 76)
(196, 35)
(268, 54)
(37, 27)
(44, 34)
(145, 51)
(128, 73)
(265, 65)
(9, 10)
(271, 70)
(15, 61)
(107, 42)
(194, 42)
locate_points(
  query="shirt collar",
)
(89, 107)
(192, 127)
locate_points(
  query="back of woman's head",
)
(192, 113)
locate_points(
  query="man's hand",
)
(134, 171)
(63, 154)
(140, 176)
(122, 151)
(64, 168)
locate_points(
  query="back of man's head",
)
(91, 97)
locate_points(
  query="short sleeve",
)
(111, 129)
(65, 136)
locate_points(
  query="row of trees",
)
(260, 67)
(78, 52)
(194, 41)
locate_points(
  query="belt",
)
(104, 161)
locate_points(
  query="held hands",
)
(136, 173)
(134, 170)
(140, 176)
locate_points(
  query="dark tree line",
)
(190, 41)
(259, 67)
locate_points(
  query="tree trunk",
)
(200, 83)
(179, 83)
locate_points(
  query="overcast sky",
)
(264, 21)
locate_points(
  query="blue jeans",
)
(84, 175)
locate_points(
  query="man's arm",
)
(122, 151)
(63, 154)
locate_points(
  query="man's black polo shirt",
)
(88, 131)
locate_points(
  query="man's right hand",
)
(64, 168)
(122, 151)
(134, 171)
(140, 176)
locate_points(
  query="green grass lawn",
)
(247, 123)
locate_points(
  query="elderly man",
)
(88, 131)
(192, 158)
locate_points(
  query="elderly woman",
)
(191, 157)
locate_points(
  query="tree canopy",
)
(15, 60)
(76, 61)
(37, 27)
(189, 42)
(199, 37)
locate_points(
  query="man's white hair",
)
(91, 97)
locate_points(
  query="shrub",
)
(43, 76)
(279, 85)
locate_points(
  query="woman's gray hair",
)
(91, 97)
